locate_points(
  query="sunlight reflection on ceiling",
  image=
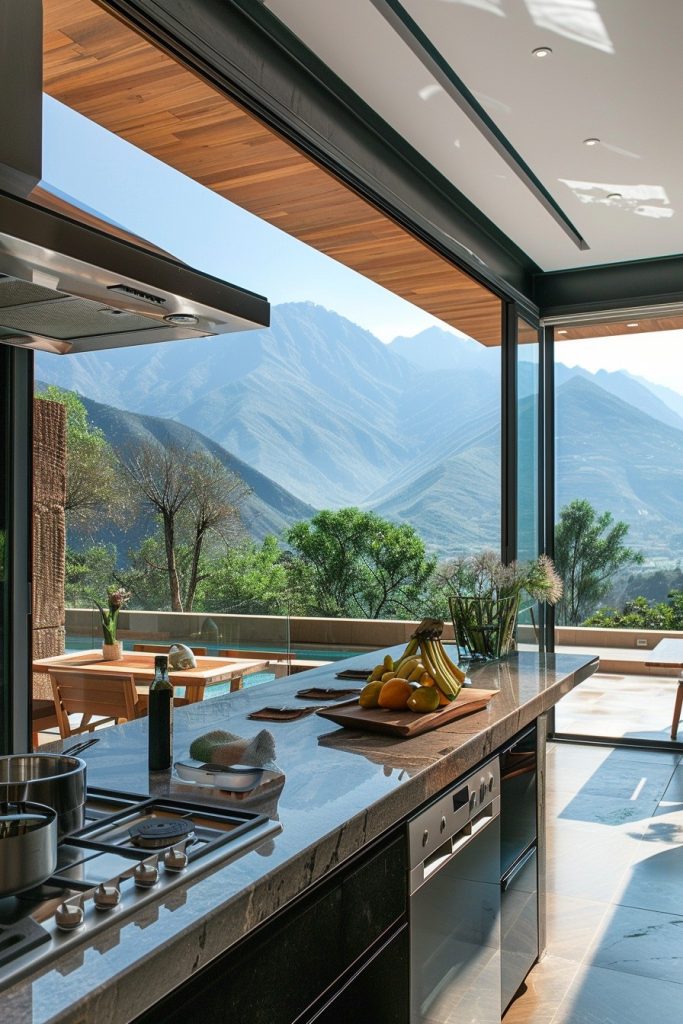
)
(492, 104)
(621, 152)
(427, 91)
(643, 200)
(489, 6)
(574, 19)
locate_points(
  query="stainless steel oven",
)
(454, 904)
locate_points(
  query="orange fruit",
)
(394, 694)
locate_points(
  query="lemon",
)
(369, 695)
(425, 698)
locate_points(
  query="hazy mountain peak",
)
(437, 349)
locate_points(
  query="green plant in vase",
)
(487, 595)
(116, 600)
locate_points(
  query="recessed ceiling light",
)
(181, 319)
(591, 142)
(561, 332)
(614, 195)
(633, 325)
(542, 51)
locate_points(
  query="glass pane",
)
(527, 470)
(618, 537)
(353, 448)
(5, 703)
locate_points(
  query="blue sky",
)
(206, 231)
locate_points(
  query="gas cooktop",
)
(130, 852)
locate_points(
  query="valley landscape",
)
(316, 412)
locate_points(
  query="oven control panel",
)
(451, 812)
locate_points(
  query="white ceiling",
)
(614, 74)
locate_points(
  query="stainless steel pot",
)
(54, 780)
(28, 846)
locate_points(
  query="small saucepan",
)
(54, 780)
(28, 846)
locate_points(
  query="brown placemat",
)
(354, 673)
(319, 693)
(282, 714)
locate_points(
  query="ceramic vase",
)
(112, 652)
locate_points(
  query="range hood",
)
(66, 287)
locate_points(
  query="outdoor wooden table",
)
(669, 654)
(210, 671)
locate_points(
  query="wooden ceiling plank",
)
(100, 67)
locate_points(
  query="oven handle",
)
(450, 849)
(516, 868)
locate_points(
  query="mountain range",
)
(318, 408)
(268, 508)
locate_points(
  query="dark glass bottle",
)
(160, 717)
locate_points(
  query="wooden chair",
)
(264, 655)
(109, 697)
(43, 717)
(267, 656)
(163, 649)
(278, 661)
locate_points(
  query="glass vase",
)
(484, 626)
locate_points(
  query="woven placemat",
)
(319, 693)
(282, 714)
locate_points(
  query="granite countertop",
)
(342, 789)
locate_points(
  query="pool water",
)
(86, 643)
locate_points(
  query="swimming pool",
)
(80, 642)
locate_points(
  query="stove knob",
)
(442, 824)
(175, 860)
(425, 837)
(473, 801)
(482, 790)
(106, 897)
(146, 875)
(69, 916)
(491, 782)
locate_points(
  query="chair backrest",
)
(261, 655)
(74, 692)
(164, 648)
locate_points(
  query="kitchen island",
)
(343, 792)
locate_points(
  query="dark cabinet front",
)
(313, 956)
(378, 992)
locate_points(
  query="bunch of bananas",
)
(425, 662)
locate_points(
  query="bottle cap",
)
(161, 661)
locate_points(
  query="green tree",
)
(250, 578)
(354, 563)
(589, 550)
(88, 575)
(643, 614)
(95, 488)
(192, 495)
(146, 574)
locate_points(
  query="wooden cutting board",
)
(406, 723)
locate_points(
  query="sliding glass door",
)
(529, 463)
(16, 371)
